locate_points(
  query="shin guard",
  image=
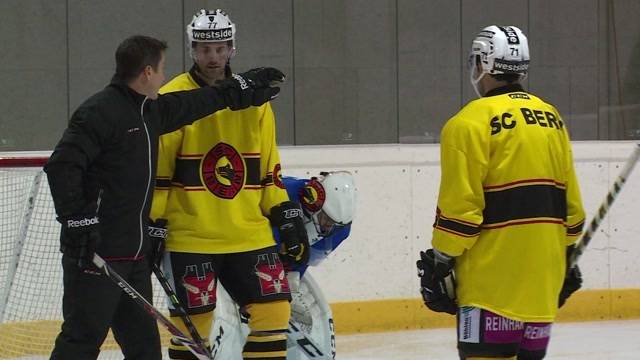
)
(202, 322)
(268, 323)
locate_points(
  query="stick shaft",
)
(582, 243)
(171, 294)
(198, 351)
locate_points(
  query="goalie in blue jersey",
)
(328, 204)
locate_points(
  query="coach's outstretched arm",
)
(240, 91)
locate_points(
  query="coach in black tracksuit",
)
(101, 178)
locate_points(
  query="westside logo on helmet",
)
(213, 34)
(513, 66)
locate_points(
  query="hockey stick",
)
(604, 207)
(181, 310)
(195, 348)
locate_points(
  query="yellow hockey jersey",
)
(218, 179)
(509, 203)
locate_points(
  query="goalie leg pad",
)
(202, 322)
(268, 323)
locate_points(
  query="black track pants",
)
(93, 303)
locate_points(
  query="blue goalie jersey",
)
(321, 246)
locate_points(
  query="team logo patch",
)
(313, 196)
(277, 176)
(270, 272)
(223, 171)
(201, 287)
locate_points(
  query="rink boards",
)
(371, 279)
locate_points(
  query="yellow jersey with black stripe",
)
(218, 179)
(509, 203)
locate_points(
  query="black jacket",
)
(107, 157)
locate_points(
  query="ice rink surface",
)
(602, 340)
(579, 340)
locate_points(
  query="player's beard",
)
(211, 73)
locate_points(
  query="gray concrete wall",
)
(359, 71)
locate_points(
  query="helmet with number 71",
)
(330, 200)
(211, 26)
(498, 50)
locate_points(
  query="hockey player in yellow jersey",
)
(509, 210)
(219, 188)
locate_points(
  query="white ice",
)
(600, 340)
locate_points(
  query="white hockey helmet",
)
(498, 50)
(211, 26)
(330, 200)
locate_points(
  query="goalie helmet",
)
(330, 200)
(498, 50)
(211, 26)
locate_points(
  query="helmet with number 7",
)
(498, 50)
(211, 26)
(330, 200)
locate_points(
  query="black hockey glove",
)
(572, 280)
(157, 235)
(264, 76)
(437, 281)
(80, 236)
(251, 88)
(287, 217)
